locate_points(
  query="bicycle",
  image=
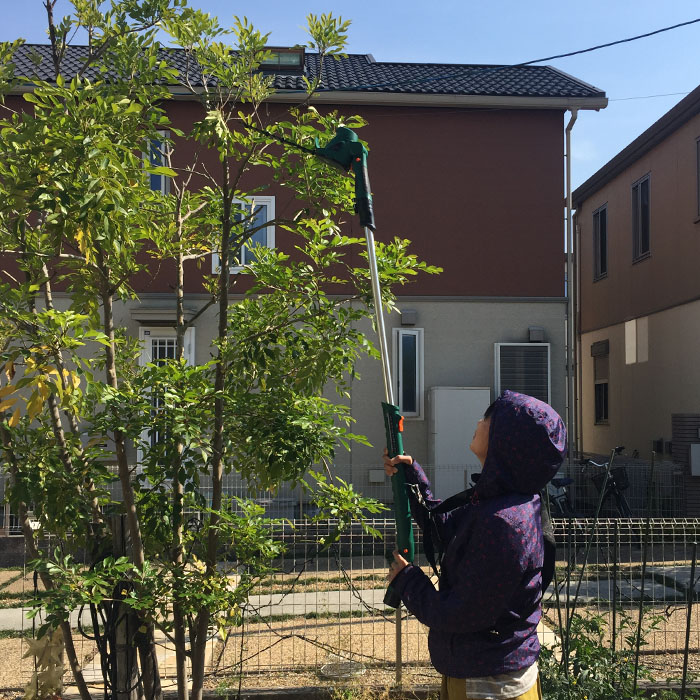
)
(612, 487)
(558, 495)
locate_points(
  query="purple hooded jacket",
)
(483, 620)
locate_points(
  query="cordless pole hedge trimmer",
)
(345, 151)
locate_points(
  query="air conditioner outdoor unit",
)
(523, 367)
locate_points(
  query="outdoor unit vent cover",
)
(523, 367)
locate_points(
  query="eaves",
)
(675, 118)
(347, 97)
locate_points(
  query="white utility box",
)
(453, 414)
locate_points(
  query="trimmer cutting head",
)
(341, 149)
(345, 151)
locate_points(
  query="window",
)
(600, 243)
(640, 218)
(158, 345)
(284, 59)
(262, 210)
(697, 168)
(523, 367)
(601, 369)
(408, 371)
(159, 155)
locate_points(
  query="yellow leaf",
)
(4, 405)
(82, 241)
(15, 418)
(34, 405)
(10, 369)
(43, 390)
(6, 390)
(76, 380)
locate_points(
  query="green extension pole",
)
(345, 151)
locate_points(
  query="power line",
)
(647, 97)
(612, 43)
(482, 70)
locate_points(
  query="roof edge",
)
(425, 100)
(349, 97)
(663, 127)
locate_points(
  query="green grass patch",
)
(15, 634)
(320, 616)
(5, 595)
(289, 584)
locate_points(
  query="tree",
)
(76, 210)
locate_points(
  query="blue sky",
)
(498, 31)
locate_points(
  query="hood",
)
(527, 444)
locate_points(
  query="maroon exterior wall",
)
(478, 192)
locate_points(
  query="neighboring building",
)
(467, 162)
(638, 221)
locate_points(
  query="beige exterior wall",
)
(644, 394)
(459, 339)
(669, 275)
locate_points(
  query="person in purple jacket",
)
(483, 619)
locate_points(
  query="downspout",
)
(578, 404)
(570, 321)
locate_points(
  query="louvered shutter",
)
(523, 367)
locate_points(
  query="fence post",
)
(691, 598)
(124, 677)
(616, 557)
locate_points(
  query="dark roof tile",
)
(361, 73)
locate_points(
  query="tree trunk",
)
(45, 578)
(55, 416)
(149, 668)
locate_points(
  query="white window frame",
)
(151, 332)
(269, 202)
(147, 333)
(397, 370)
(164, 179)
(497, 365)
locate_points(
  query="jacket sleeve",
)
(415, 476)
(490, 569)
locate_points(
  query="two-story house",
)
(466, 161)
(638, 223)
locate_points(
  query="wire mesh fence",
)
(321, 614)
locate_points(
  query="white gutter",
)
(402, 99)
(423, 100)
(570, 321)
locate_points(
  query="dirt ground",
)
(293, 652)
(16, 671)
(14, 581)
